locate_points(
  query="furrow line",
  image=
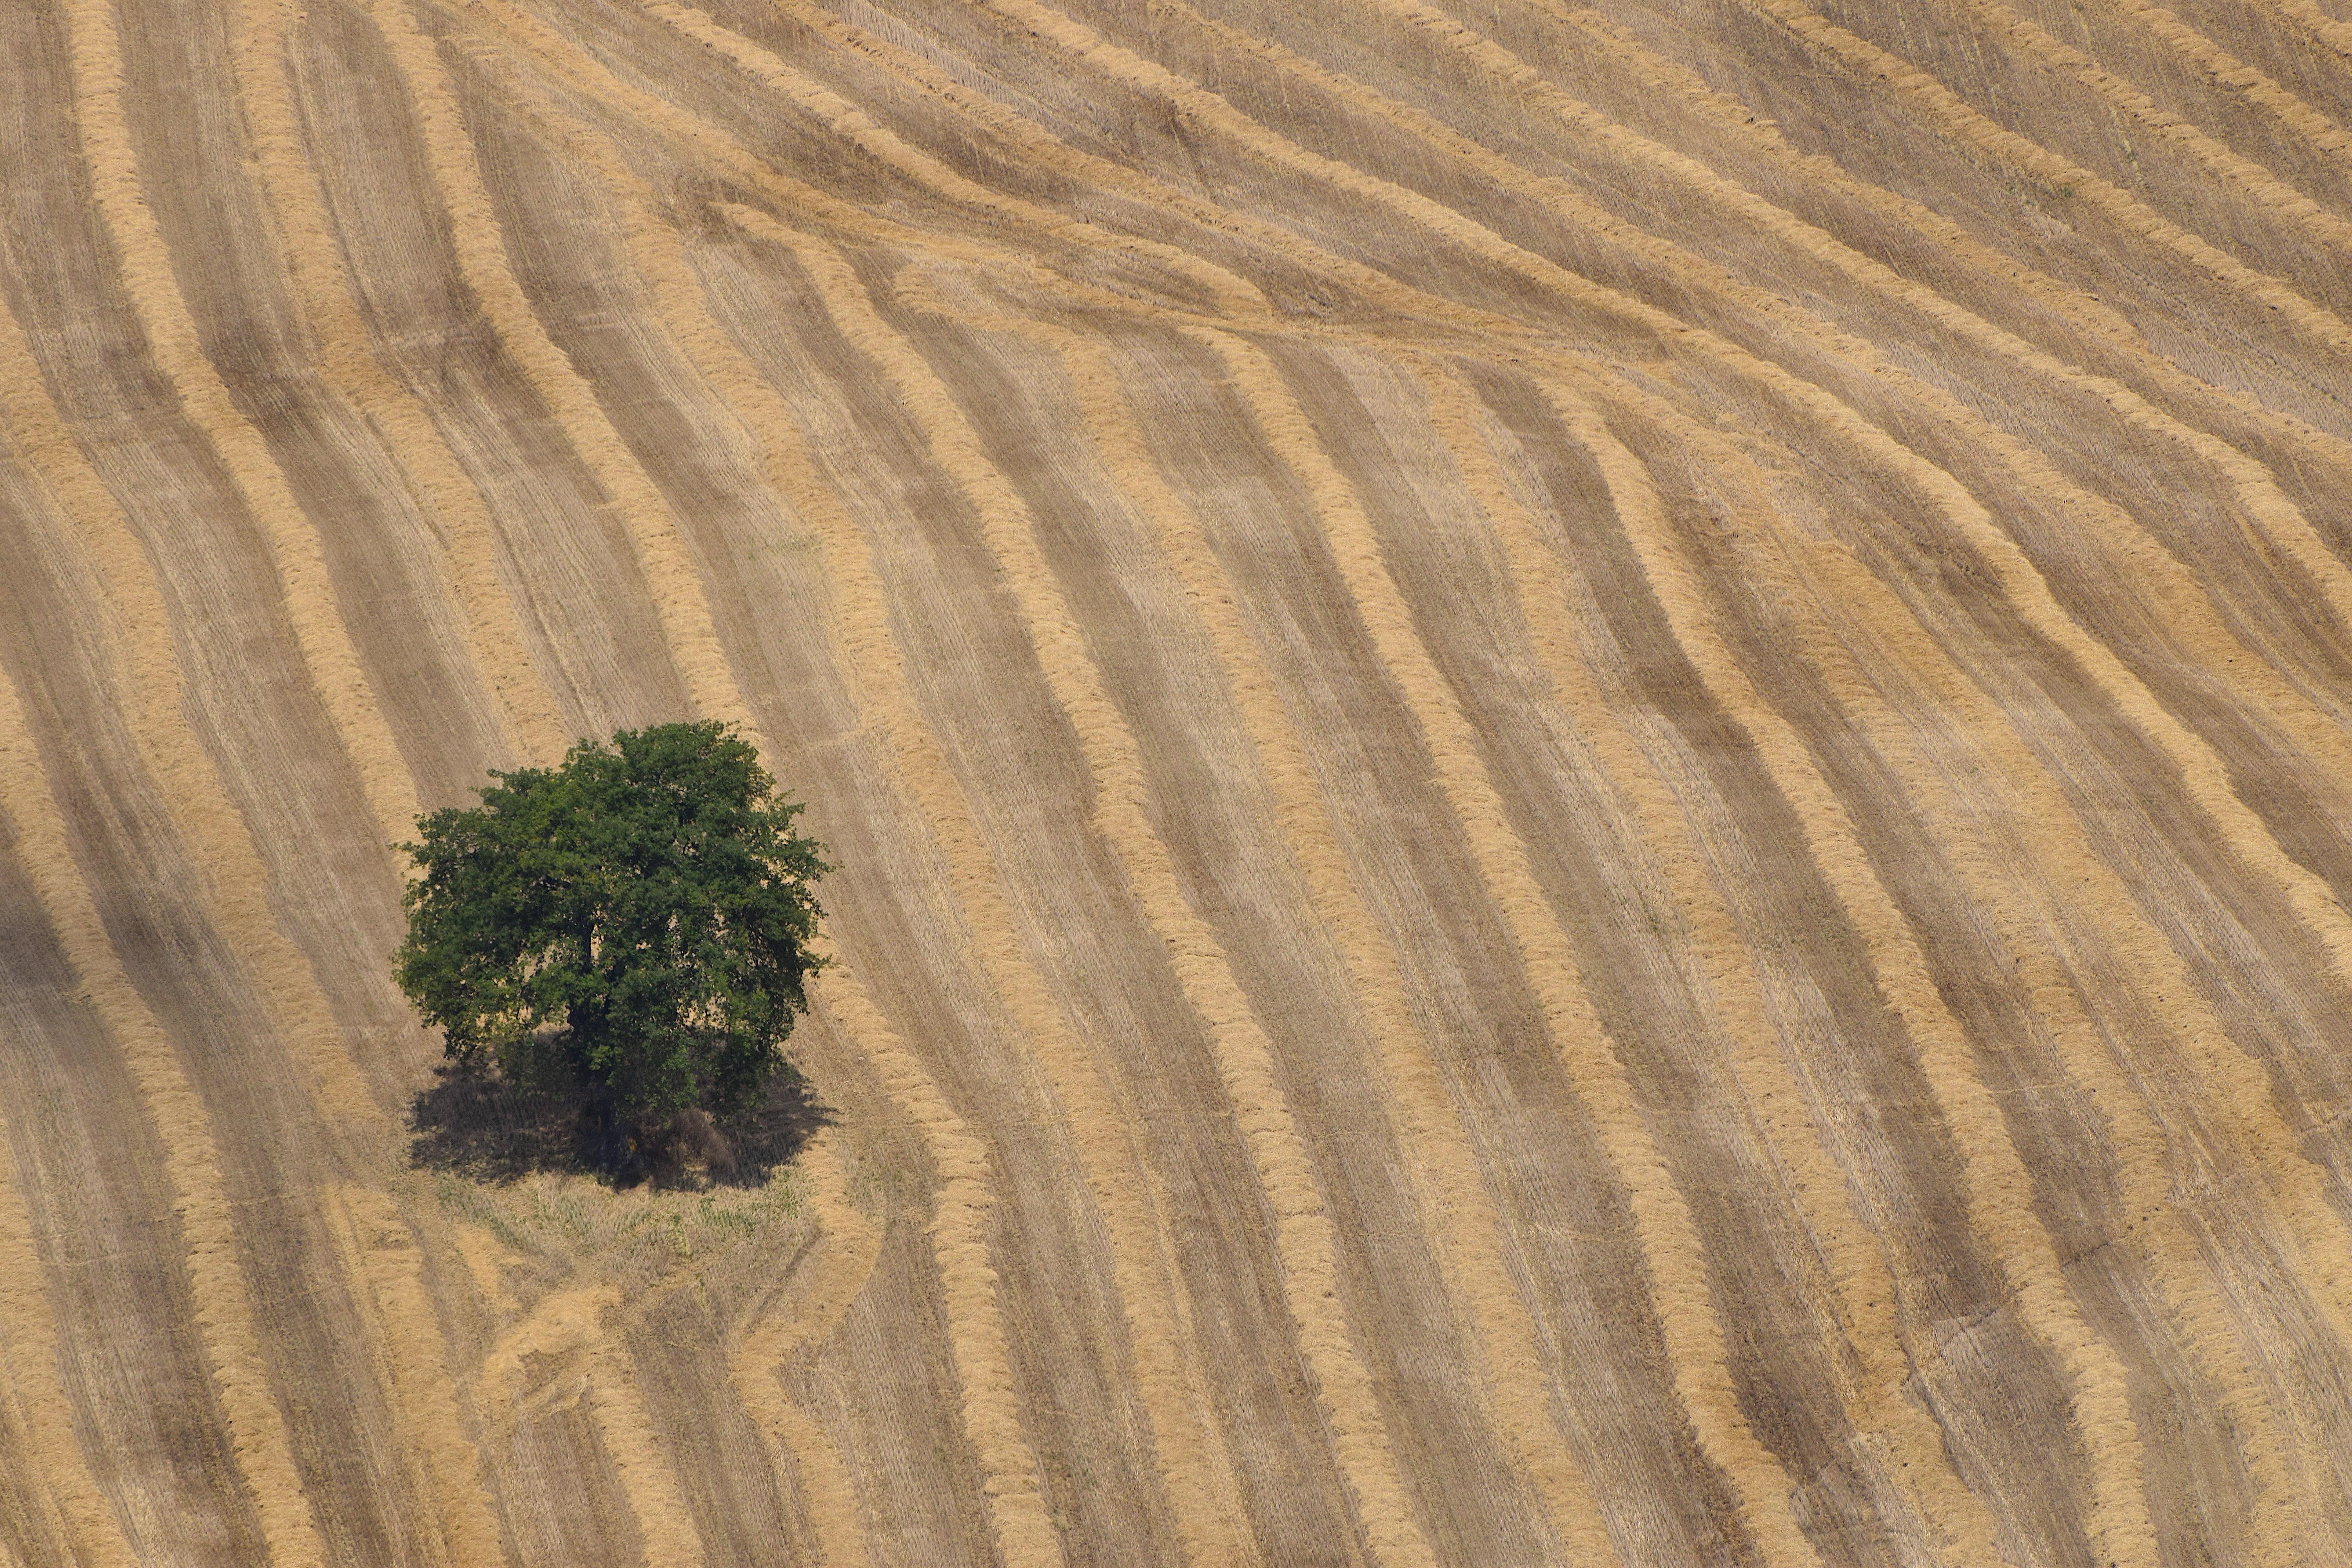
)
(657, 540)
(657, 257)
(1866, 1308)
(846, 119)
(2146, 1162)
(2236, 1089)
(31, 1371)
(720, 147)
(1669, 1241)
(1512, 1358)
(2026, 930)
(649, 1478)
(1014, 1488)
(1169, 1376)
(807, 1315)
(382, 1258)
(1406, 300)
(2228, 169)
(826, 1488)
(209, 824)
(1191, 100)
(34, 1517)
(1251, 307)
(2312, 19)
(709, 142)
(2314, 904)
(2250, 840)
(2312, 900)
(991, 1397)
(225, 1313)
(1234, 294)
(2082, 311)
(1443, 1165)
(345, 358)
(2255, 491)
(2282, 517)
(2252, 485)
(873, 666)
(1549, 193)
(1304, 1235)
(1472, 1240)
(2306, 730)
(591, 75)
(2202, 769)
(415, 1350)
(152, 288)
(2229, 71)
(570, 1325)
(1967, 126)
(654, 531)
(1738, 122)
(2204, 774)
(1998, 1183)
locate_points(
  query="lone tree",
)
(637, 921)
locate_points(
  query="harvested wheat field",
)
(1592, 773)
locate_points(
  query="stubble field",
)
(1594, 773)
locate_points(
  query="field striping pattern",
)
(1593, 771)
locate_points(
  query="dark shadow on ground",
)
(478, 1125)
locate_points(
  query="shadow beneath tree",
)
(480, 1126)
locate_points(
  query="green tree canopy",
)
(637, 920)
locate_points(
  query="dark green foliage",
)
(637, 920)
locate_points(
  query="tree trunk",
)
(612, 1148)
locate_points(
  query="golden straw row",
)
(1014, 1488)
(1966, 125)
(2256, 492)
(152, 288)
(875, 668)
(2183, 1283)
(849, 1247)
(2314, 903)
(1516, 1382)
(225, 1316)
(1669, 1242)
(1861, 1268)
(1998, 1182)
(1245, 1057)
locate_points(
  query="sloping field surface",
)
(1593, 771)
